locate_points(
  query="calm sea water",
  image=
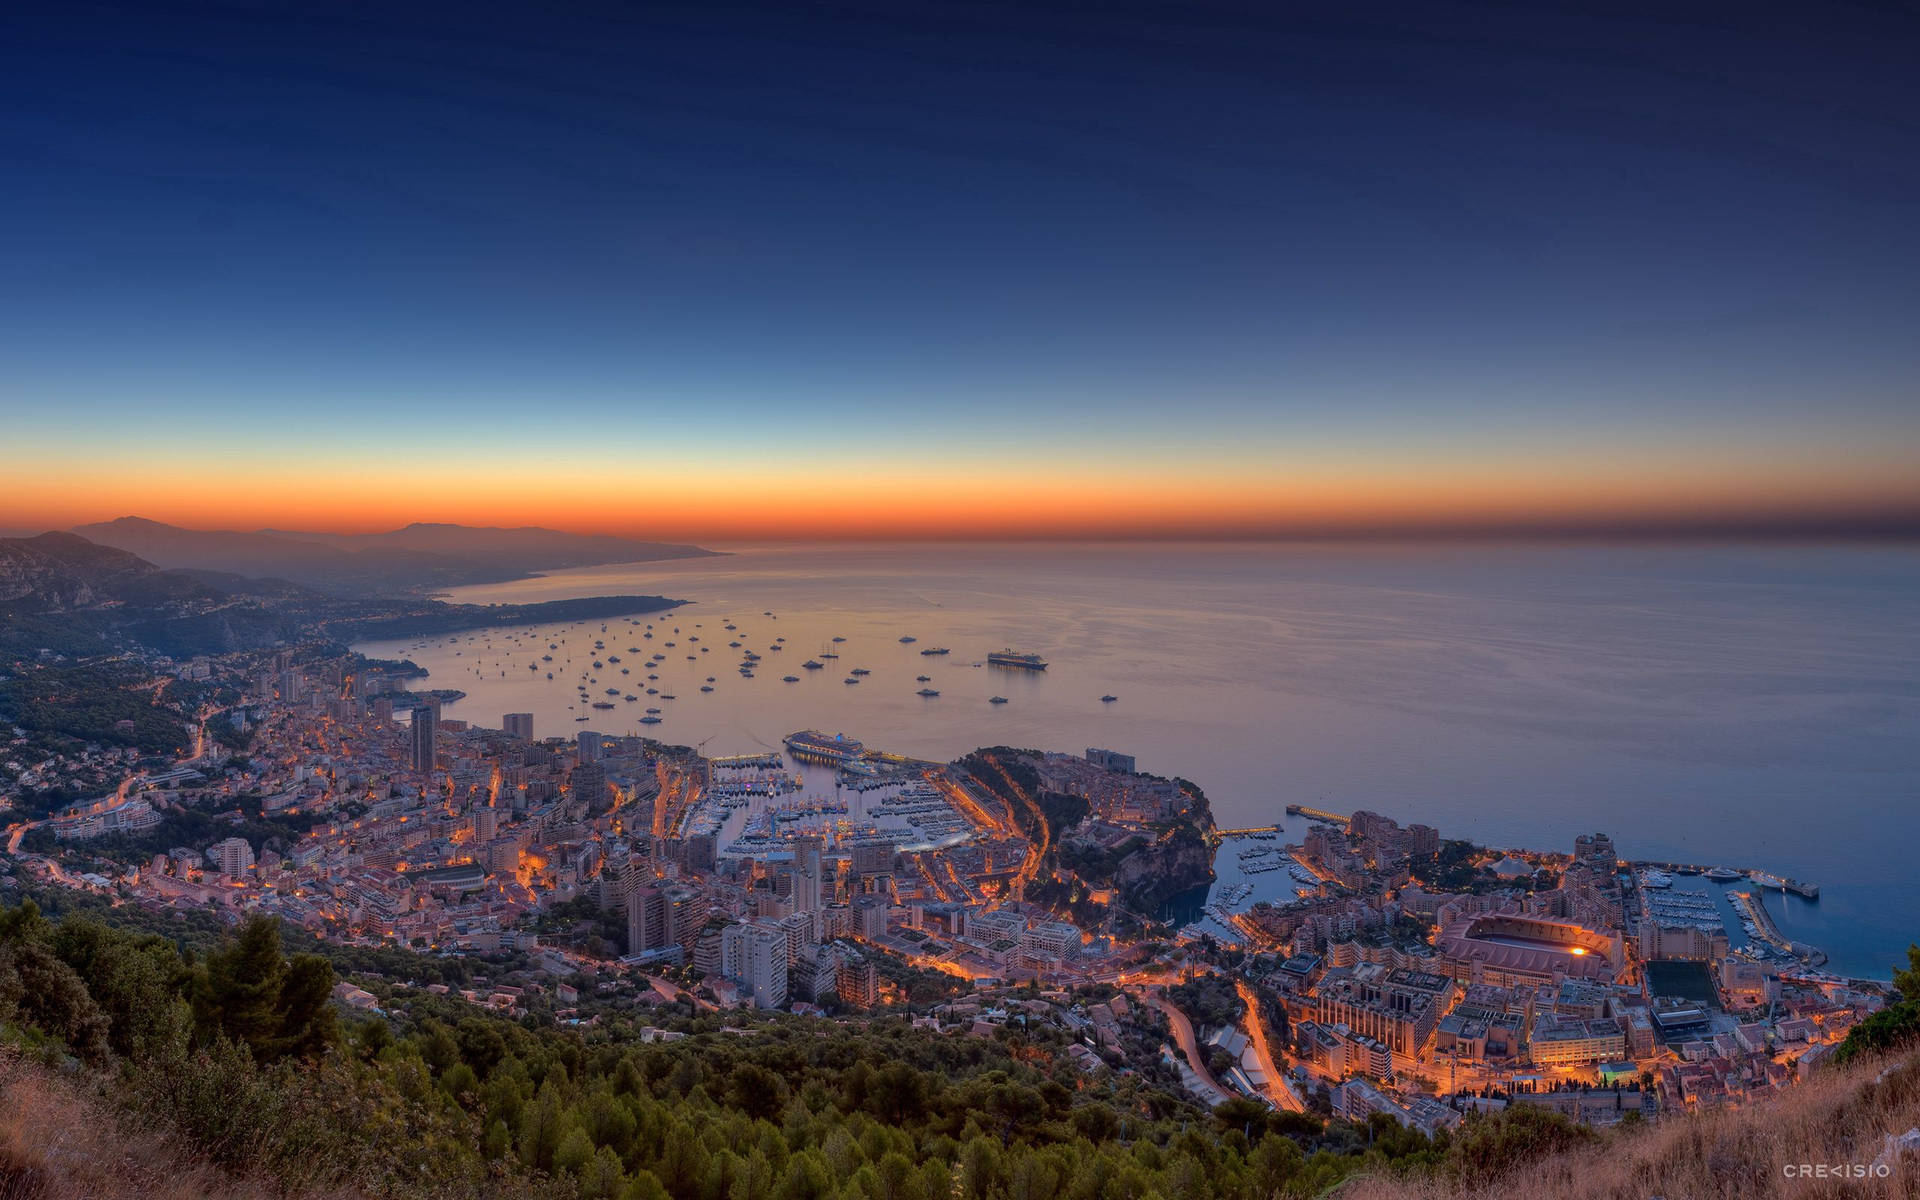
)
(1756, 707)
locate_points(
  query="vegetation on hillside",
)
(224, 1046)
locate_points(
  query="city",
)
(1401, 974)
(921, 601)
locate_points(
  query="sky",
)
(718, 271)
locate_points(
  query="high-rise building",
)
(589, 783)
(756, 956)
(589, 743)
(687, 912)
(1596, 849)
(486, 824)
(806, 873)
(518, 725)
(234, 857)
(425, 725)
(649, 924)
(873, 858)
(698, 851)
(859, 981)
(1111, 760)
(872, 916)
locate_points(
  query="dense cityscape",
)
(922, 601)
(1406, 974)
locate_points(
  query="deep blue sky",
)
(1336, 238)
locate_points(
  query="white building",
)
(233, 856)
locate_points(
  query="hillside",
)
(63, 594)
(61, 572)
(1841, 1118)
(131, 1062)
(417, 557)
(60, 1141)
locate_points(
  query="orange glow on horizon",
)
(1138, 498)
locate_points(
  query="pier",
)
(1765, 879)
(748, 760)
(1315, 814)
(1250, 831)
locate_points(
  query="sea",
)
(1754, 706)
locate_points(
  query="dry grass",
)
(1841, 1117)
(57, 1142)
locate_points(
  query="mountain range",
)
(415, 558)
(63, 594)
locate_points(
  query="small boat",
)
(790, 679)
(839, 639)
(927, 692)
(706, 687)
(602, 704)
(666, 696)
(1108, 699)
(908, 641)
(860, 671)
(930, 651)
(923, 679)
(653, 712)
(850, 679)
(811, 665)
(649, 720)
(997, 700)
(1724, 875)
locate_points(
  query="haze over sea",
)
(1753, 706)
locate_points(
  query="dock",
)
(748, 760)
(1765, 879)
(1316, 814)
(1250, 831)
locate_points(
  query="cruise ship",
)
(827, 747)
(1013, 658)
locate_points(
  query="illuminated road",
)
(1036, 847)
(1183, 1035)
(1278, 1089)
